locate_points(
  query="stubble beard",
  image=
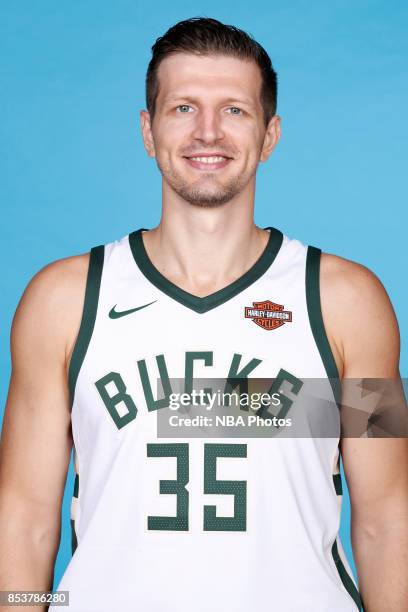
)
(199, 196)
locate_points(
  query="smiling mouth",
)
(208, 162)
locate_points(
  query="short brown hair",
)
(206, 36)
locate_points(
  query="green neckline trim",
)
(93, 283)
(204, 304)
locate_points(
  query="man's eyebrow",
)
(186, 98)
(174, 97)
(240, 100)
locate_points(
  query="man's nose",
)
(208, 126)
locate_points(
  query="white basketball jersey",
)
(203, 523)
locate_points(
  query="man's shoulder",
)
(51, 305)
(349, 280)
(356, 308)
(58, 279)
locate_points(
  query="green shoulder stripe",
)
(93, 283)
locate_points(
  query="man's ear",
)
(271, 139)
(147, 133)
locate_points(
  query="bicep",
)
(36, 434)
(36, 445)
(376, 468)
(376, 471)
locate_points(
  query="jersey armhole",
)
(314, 309)
(93, 283)
(316, 318)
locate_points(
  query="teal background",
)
(74, 172)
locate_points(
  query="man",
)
(194, 523)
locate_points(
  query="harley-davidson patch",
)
(268, 315)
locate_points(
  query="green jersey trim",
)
(93, 283)
(74, 541)
(74, 503)
(204, 304)
(338, 484)
(316, 318)
(313, 259)
(346, 579)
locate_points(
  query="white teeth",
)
(209, 160)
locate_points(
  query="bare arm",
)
(36, 437)
(376, 469)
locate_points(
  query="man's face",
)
(208, 134)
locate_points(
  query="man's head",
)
(210, 90)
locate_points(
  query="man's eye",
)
(183, 107)
(235, 108)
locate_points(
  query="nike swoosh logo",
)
(114, 314)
